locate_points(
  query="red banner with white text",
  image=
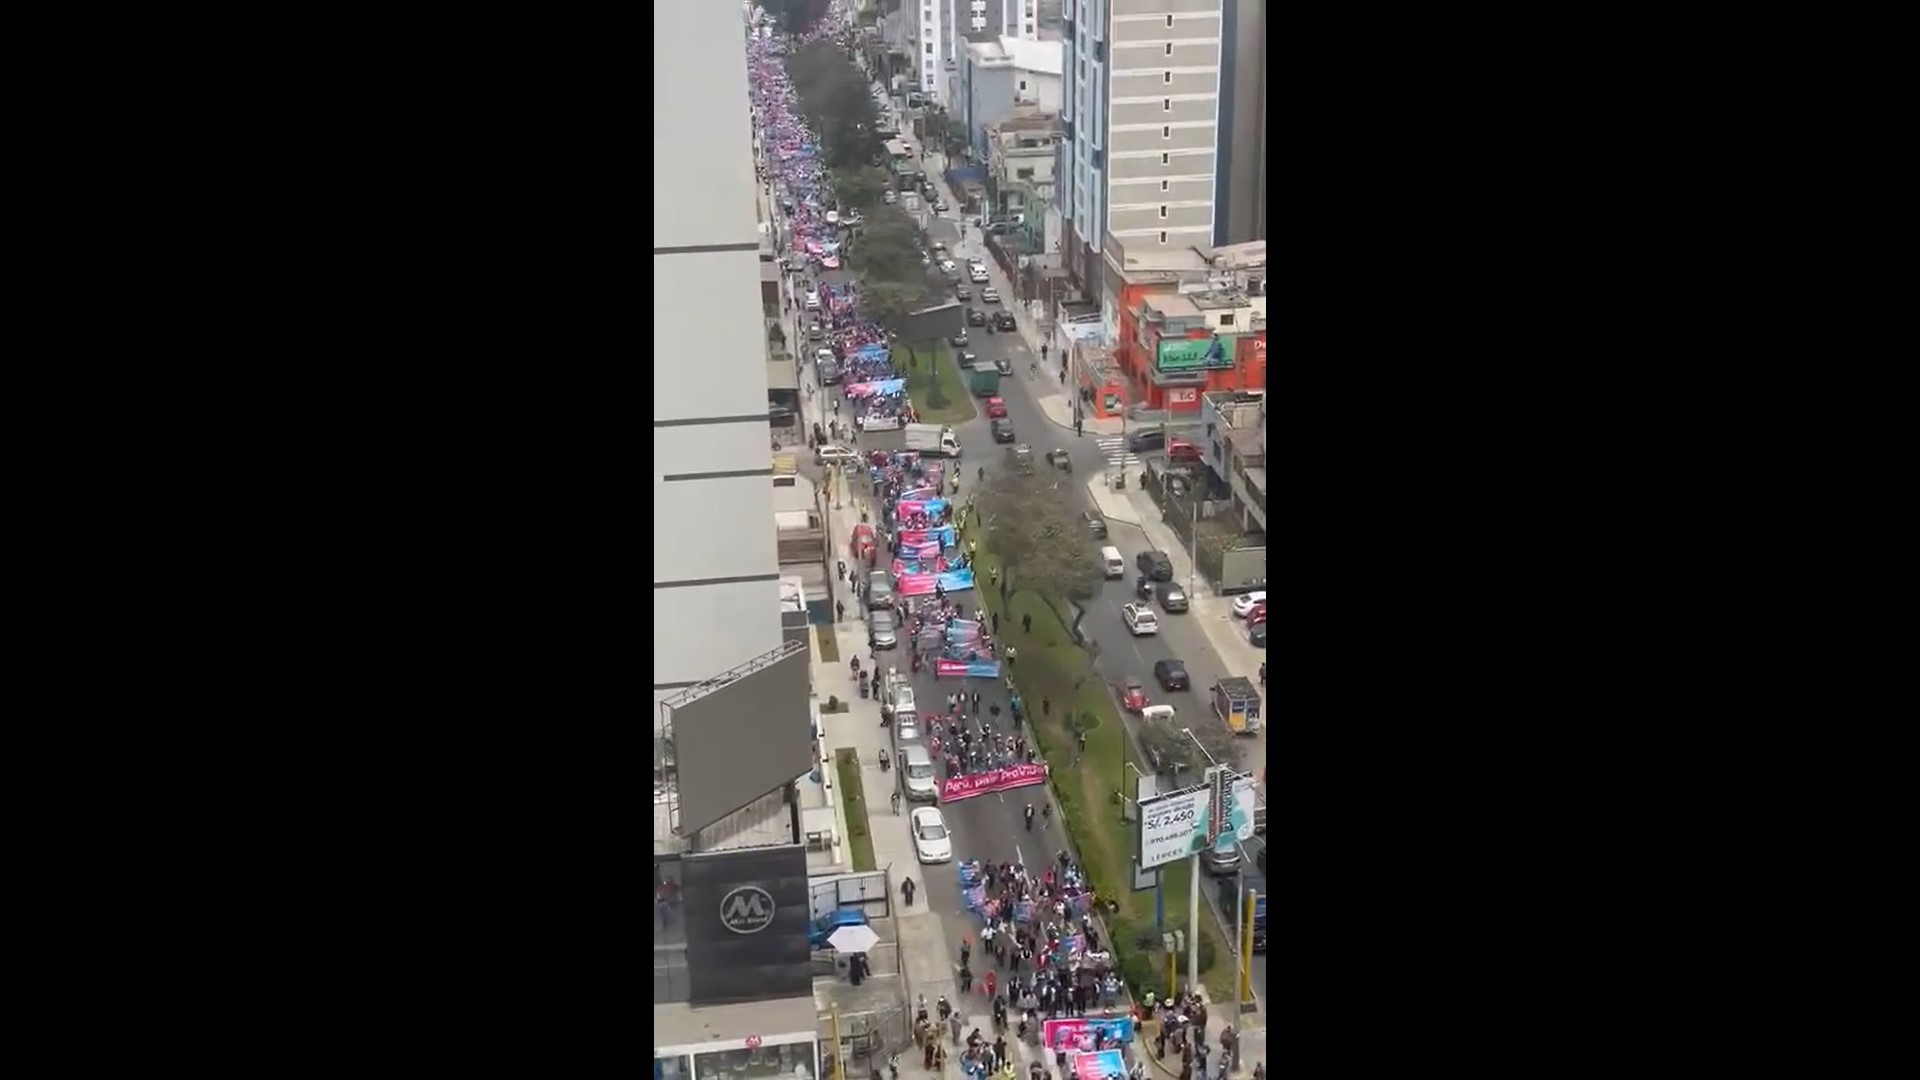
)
(1007, 778)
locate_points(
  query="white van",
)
(916, 774)
(1112, 563)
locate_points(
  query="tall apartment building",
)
(1240, 206)
(1141, 112)
(732, 971)
(1165, 126)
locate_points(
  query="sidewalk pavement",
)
(1054, 398)
(1252, 1030)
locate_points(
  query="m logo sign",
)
(747, 910)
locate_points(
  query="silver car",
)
(880, 624)
(879, 589)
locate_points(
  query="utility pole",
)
(1217, 815)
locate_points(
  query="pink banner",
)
(915, 584)
(986, 783)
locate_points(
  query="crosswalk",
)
(1114, 449)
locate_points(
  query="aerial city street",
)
(1029, 581)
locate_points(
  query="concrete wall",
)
(716, 596)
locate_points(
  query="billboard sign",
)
(1176, 826)
(1214, 353)
(746, 916)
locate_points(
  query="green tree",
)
(859, 187)
(890, 302)
(939, 128)
(837, 104)
(888, 248)
(1043, 547)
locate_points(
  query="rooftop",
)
(680, 1026)
(1044, 57)
(1171, 305)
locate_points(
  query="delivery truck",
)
(983, 380)
(932, 440)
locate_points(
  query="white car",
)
(834, 455)
(989, 295)
(833, 217)
(813, 301)
(931, 840)
(1140, 619)
(978, 274)
(890, 198)
(947, 267)
(1243, 604)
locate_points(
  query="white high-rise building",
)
(716, 592)
(1141, 112)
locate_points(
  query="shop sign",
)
(1185, 396)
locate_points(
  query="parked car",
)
(1258, 615)
(977, 274)
(1155, 564)
(1182, 450)
(976, 317)
(961, 292)
(932, 843)
(879, 589)
(881, 625)
(835, 455)
(1257, 637)
(1172, 597)
(1141, 442)
(947, 267)
(996, 408)
(1243, 604)
(1003, 365)
(1003, 431)
(1133, 696)
(1096, 525)
(822, 928)
(890, 198)
(1003, 320)
(990, 295)
(1172, 675)
(959, 339)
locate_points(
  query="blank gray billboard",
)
(935, 323)
(743, 740)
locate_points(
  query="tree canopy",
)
(837, 104)
(1043, 547)
(859, 186)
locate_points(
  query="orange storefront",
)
(1230, 361)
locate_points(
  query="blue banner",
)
(955, 581)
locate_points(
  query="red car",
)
(996, 408)
(1258, 615)
(1133, 696)
(1182, 450)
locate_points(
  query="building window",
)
(1163, 183)
(1163, 213)
(1166, 131)
(1169, 22)
(1023, 84)
(1023, 174)
(1169, 48)
(1166, 104)
(1165, 158)
(1163, 237)
(1099, 52)
(1166, 77)
(929, 48)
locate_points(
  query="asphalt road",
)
(992, 826)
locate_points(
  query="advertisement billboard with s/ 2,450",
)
(1174, 827)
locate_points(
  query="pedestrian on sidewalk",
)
(840, 610)
(906, 889)
(1026, 624)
